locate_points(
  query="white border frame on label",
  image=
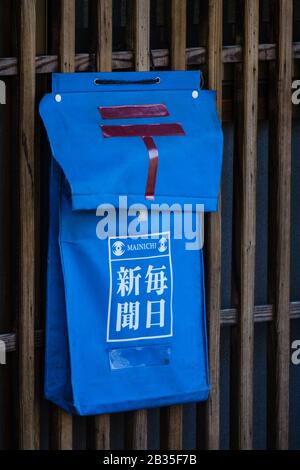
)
(146, 235)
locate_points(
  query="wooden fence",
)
(245, 108)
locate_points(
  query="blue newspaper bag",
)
(126, 325)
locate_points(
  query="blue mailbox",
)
(136, 158)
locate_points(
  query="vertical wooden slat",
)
(137, 430)
(104, 36)
(245, 234)
(67, 36)
(142, 35)
(137, 422)
(103, 64)
(41, 88)
(178, 34)
(101, 432)
(63, 427)
(213, 242)
(279, 226)
(172, 417)
(171, 427)
(248, 224)
(61, 430)
(27, 224)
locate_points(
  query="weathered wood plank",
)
(262, 314)
(101, 431)
(104, 36)
(248, 225)
(62, 438)
(171, 427)
(137, 430)
(141, 35)
(67, 36)
(101, 423)
(213, 241)
(27, 224)
(125, 59)
(245, 233)
(178, 34)
(137, 421)
(172, 417)
(61, 429)
(41, 88)
(279, 226)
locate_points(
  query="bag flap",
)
(145, 135)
